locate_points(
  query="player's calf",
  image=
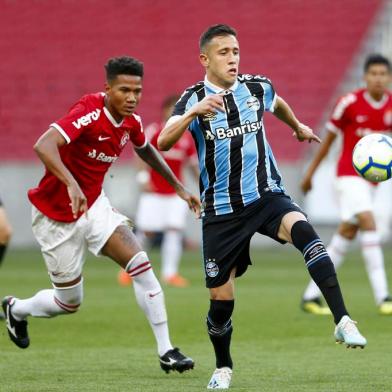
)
(320, 266)
(219, 329)
(50, 302)
(69, 299)
(149, 296)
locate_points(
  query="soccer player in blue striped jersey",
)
(241, 187)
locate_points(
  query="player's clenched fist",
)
(210, 104)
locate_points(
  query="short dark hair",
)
(377, 58)
(123, 65)
(214, 31)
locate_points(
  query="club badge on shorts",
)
(211, 268)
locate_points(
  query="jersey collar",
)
(218, 90)
(111, 118)
(373, 103)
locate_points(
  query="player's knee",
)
(69, 299)
(348, 231)
(5, 234)
(219, 317)
(139, 264)
(302, 234)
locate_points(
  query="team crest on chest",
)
(253, 103)
(388, 118)
(124, 139)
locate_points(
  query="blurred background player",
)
(356, 114)
(160, 210)
(71, 214)
(5, 236)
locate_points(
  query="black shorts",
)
(226, 238)
(1, 203)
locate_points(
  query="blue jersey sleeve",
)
(186, 101)
(270, 96)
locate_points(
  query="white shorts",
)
(64, 245)
(158, 212)
(355, 195)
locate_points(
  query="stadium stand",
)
(54, 52)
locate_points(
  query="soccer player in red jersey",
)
(160, 209)
(72, 214)
(359, 113)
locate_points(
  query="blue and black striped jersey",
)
(236, 162)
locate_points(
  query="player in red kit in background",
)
(159, 208)
(71, 213)
(356, 114)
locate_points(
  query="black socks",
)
(220, 329)
(320, 266)
(3, 248)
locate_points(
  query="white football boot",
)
(220, 379)
(347, 332)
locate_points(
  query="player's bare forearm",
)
(173, 130)
(284, 113)
(301, 131)
(47, 149)
(306, 183)
(152, 157)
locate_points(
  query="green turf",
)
(108, 346)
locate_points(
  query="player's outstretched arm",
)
(152, 157)
(301, 131)
(306, 184)
(47, 149)
(177, 125)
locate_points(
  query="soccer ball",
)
(372, 157)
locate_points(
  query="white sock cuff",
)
(138, 264)
(69, 298)
(370, 238)
(67, 287)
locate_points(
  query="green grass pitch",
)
(108, 346)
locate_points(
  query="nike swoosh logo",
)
(102, 138)
(154, 295)
(11, 329)
(171, 361)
